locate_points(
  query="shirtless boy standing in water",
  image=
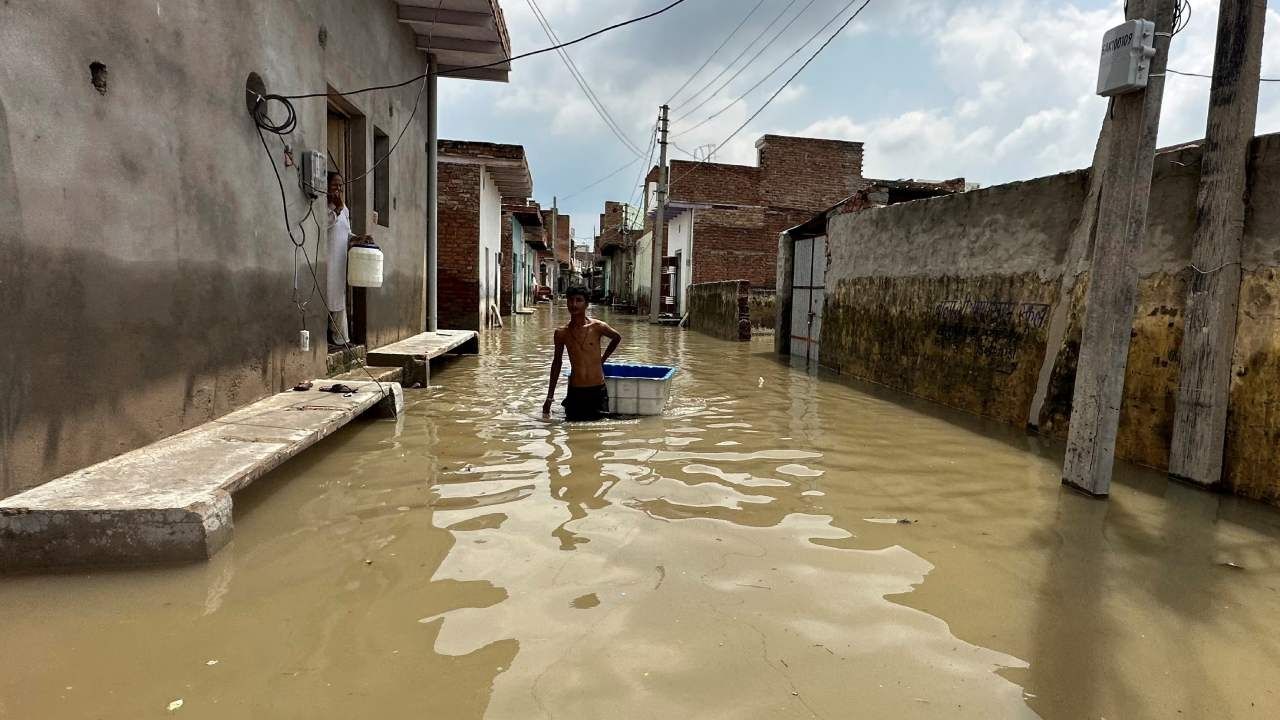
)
(587, 398)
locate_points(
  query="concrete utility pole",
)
(1204, 381)
(554, 280)
(660, 221)
(429, 282)
(1113, 274)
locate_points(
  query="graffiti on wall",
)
(989, 331)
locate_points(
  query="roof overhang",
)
(511, 176)
(676, 208)
(461, 34)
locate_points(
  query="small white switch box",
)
(315, 180)
(1126, 57)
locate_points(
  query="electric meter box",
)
(315, 181)
(1126, 57)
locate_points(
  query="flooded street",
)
(777, 545)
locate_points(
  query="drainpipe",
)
(433, 184)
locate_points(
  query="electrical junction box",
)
(1126, 57)
(312, 175)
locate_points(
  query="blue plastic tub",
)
(638, 389)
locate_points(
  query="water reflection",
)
(778, 544)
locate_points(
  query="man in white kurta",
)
(335, 291)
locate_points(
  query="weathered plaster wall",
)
(146, 269)
(680, 239)
(642, 277)
(490, 243)
(949, 299)
(763, 306)
(720, 309)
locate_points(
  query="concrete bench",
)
(171, 500)
(415, 354)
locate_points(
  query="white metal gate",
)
(807, 294)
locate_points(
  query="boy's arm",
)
(555, 373)
(614, 336)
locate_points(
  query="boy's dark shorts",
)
(586, 403)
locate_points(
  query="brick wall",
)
(564, 238)
(715, 183)
(611, 222)
(737, 237)
(806, 173)
(458, 254)
(730, 243)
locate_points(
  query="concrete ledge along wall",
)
(955, 298)
(145, 272)
(720, 309)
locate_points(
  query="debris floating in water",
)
(890, 521)
(211, 663)
(761, 384)
(175, 705)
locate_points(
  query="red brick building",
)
(560, 252)
(475, 178)
(723, 220)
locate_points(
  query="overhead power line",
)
(581, 80)
(770, 74)
(715, 52)
(521, 56)
(784, 85)
(1202, 75)
(742, 69)
(740, 55)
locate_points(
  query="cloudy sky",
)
(992, 90)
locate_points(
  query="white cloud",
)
(993, 90)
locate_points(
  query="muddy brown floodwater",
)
(740, 557)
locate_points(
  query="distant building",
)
(614, 249)
(723, 220)
(555, 264)
(475, 179)
(523, 239)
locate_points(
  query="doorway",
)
(345, 136)
(808, 292)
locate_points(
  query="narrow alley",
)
(779, 544)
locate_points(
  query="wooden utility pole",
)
(1113, 274)
(1204, 381)
(660, 221)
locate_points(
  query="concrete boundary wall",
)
(952, 299)
(721, 309)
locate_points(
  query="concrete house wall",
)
(960, 299)
(680, 240)
(490, 244)
(145, 270)
(641, 277)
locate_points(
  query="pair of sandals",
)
(339, 388)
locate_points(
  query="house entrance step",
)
(416, 353)
(172, 500)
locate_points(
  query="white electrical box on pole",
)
(660, 221)
(1126, 57)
